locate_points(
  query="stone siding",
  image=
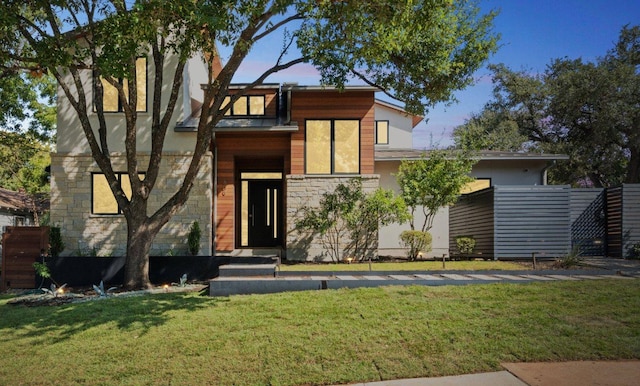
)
(84, 232)
(306, 191)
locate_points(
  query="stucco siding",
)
(400, 128)
(71, 138)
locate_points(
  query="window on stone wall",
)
(102, 199)
(247, 105)
(382, 132)
(332, 147)
(112, 103)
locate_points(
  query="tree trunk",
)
(139, 238)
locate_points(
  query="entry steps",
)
(247, 279)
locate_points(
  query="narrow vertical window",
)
(318, 147)
(382, 132)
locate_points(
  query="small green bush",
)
(466, 244)
(415, 242)
(635, 251)
(193, 241)
(56, 245)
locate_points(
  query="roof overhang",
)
(412, 155)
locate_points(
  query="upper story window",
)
(112, 103)
(102, 199)
(246, 105)
(382, 132)
(332, 146)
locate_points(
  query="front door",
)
(264, 213)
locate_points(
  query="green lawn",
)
(319, 337)
(474, 265)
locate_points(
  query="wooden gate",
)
(21, 247)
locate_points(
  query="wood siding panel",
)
(21, 247)
(614, 222)
(232, 146)
(472, 216)
(333, 105)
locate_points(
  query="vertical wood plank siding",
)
(588, 225)
(630, 217)
(614, 222)
(333, 105)
(248, 146)
(472, 216)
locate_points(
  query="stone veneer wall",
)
(305, 190)
(83, 231)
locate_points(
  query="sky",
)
(533, 33)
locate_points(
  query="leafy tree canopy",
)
(590, 111)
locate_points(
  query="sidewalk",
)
(582, 373)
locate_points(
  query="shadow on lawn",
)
(53, 324)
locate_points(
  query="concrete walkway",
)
(582, 373)
(236, 280)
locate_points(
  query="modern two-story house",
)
(278, 149)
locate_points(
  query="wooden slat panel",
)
(21, 247)
(333, 105)
(232, 146)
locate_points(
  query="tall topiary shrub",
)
(193, 240)
(56, 245)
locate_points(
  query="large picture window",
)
(332, 147)
(247, 105)
(112, 103)
(102, 199)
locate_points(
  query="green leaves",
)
(588, 111)
(432, 183)
(419, 51)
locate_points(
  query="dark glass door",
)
(264, 213)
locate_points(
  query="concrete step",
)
(247, 270)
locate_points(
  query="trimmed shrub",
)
(415, 242)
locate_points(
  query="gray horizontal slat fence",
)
(630, 218)
(531, 219)
(472, 216)
(588, 222)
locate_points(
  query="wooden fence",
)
(21, 247)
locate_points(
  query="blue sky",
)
(533, 32)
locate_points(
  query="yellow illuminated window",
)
(102, 200)
(382, 132)
(347, 147)
(474, 186)
(332, 146)
(240, 106)
(318, 147)
(112, 103)
(247, 105)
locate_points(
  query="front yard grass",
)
(429, 265)
(319, 337)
